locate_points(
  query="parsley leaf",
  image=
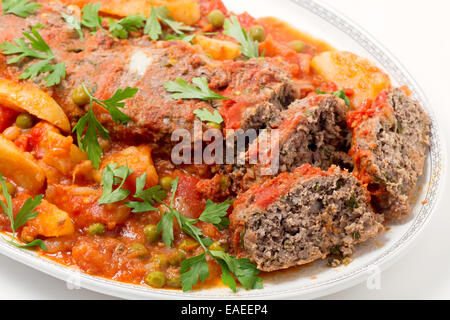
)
(232, 28)
(206, 115)
(131, 23)
(74, 23)
(39, 49)
(340, 94)
(192, 270)
(149, 196)
(89, 142)
(153, 26)
(25, 214)
(215, 213)
(183, 37)
(112, 176)
(91, 19)
(21, 8)
(187, 91)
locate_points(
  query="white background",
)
(418, 33)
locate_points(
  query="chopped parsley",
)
(184, 90)
(35, 48)
(90, 126)
(25, 214)
(232, 28)
(21, 8)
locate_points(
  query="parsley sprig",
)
(90, 126)
(148, 196)
(122, 27)
(91, 18)
(162, 14)
(232, 28)
(21, 8)
(340, 94)
(184, 90)
(74, 23)
(36, 48)
(111, 177)
(25, 214)
(196, 268)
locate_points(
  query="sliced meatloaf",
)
(259, 88)
(303, 216)
(311, 130)
(390, 139)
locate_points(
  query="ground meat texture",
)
(258, 87)
(311, 130)
(297, 218)
(390, 139)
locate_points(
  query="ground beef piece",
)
(300, 217)
(311, 130)
(390, 139)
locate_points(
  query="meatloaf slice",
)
(390, 139)
(300, 217)
(311, 130)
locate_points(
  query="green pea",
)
(214, 125)
(139, 250)
(257, 33)
(216, 246)
(297, 45)
(79, 96)
(96, 229)
(151, 233)
(165, 183)
(216, 18)
(173, 281)
(224, 183)
(188, 245)
(9, 187)
(176, 258)
(24, 121)
(161, 260)
(155, 279)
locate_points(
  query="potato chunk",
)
(218, 49)
(24, 97)
(350, 71)
(20, 167)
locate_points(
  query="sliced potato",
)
(186, 11)
(20, 167)
(350, 71)
(218, 49)
(51, 222)
(28, 98)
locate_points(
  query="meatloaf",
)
(259, 87)
(312, 130)
(303, 216)
(390, 139)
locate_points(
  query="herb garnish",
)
(148, 196)
(89, 142)
(91, 19)
(206, 115)
(25, 214)
(21, 8)
(196, 268)
(111, 177)
(36, 48)
(153, 26)
(232, 28)
(340, 94)
(184, 90)
(74, 23)
(131, 23)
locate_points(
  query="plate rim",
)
(388, 257)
